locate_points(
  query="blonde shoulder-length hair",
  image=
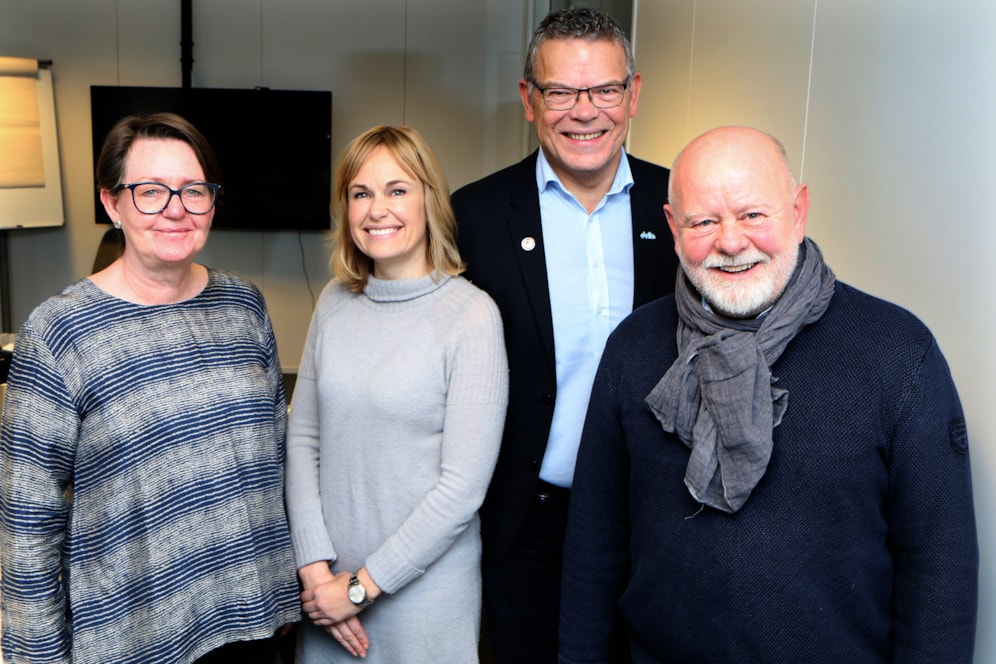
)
(350, 265)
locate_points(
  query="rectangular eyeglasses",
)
(154, 197)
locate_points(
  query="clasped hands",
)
(325, 600)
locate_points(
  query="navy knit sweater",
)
(858, 545)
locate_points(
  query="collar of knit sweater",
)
(401, 290)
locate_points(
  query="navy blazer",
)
(496, 215)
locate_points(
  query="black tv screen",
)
(274, 147)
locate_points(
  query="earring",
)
(116, 223)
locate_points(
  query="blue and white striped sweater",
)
(167, 425)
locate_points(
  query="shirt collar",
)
(546, 177)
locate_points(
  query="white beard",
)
(742, 298)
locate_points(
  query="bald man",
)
(774, 465)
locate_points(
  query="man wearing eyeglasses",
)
(567, 242)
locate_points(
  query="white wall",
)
(449, 68)
(888, 111)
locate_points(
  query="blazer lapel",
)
(526, 235)
(651, 235)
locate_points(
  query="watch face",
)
(357, 594)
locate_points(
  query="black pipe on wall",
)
(186, 40)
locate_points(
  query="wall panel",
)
(895, 143)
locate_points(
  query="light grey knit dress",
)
(395, 425)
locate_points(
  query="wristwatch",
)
(357, 593)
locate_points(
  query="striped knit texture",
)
(141, 479)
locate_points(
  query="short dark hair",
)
(578, 23)
(111, 162)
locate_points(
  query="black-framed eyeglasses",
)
(609, 95)
(154, 197)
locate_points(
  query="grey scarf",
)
(719, 395)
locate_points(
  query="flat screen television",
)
(274, 147)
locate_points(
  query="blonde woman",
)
(396, 421)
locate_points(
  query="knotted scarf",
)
(719, 396)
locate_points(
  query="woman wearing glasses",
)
(141, 448)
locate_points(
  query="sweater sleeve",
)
(40, 428)
(303, 483)
(476, 399)
(275, 375)
(596, 555)
(932, 524)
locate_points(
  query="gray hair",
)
(578, 23)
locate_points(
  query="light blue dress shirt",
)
(589, 263)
